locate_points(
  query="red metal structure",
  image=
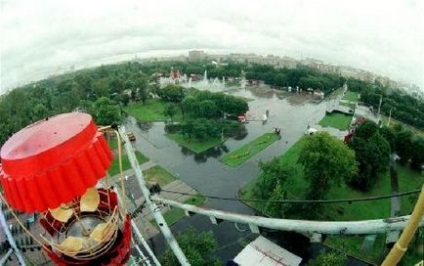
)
(52, 166)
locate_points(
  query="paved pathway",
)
(135, 200)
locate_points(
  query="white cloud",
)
(38, 37)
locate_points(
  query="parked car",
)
(131, 136)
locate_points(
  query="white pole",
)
(154, 209)
(11, 239)
(144, 243)
(145, 260)
(365, 227)
(6, 256)
(140, 237)
(379, 108)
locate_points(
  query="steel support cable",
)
(295, 201)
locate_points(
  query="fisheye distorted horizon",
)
(40, 38)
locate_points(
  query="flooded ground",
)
(290, 112)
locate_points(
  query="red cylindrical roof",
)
(53, 161)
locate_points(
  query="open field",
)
(247, 151)
(151, 111)
(159, 175)
(173, 215)
(336, 120)
(351, 96)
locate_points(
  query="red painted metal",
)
(53, 161)
(118, 254)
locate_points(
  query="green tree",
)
(417, 159)
(327, 162)
(389, 135)
(122, 99)
(170, 110)
(331, 258)
(279, 192)
(404, 146)
(372, 153)
(270, 174)
(198, 247)
(106, 112)
(142, 89)
(172, 93)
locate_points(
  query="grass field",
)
(173, 215)
(353, 246)
(151, 111)
(193, 144)
(336, 120)
(159, 175)
(351, 96)
(114, 169)
(247, 151)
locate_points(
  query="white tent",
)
(311, 131)
(263, 252)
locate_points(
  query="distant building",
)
(196, 55)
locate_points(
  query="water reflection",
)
(240, 133)
(144, 126)
(300, 99)
(292, 114)
(202, 157)
(263, 92)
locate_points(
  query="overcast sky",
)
(42, 37)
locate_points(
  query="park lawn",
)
(291, 156)
(151, 111)
(114, 169)
(173, 215)
(247, 151)
(353, 246)
(336, 120)
(195, 145)
(351, 96)
(159, 175)
(408, 180)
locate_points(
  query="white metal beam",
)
(6, 256)
(10, 238)
(154, 209)
(364, 227)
